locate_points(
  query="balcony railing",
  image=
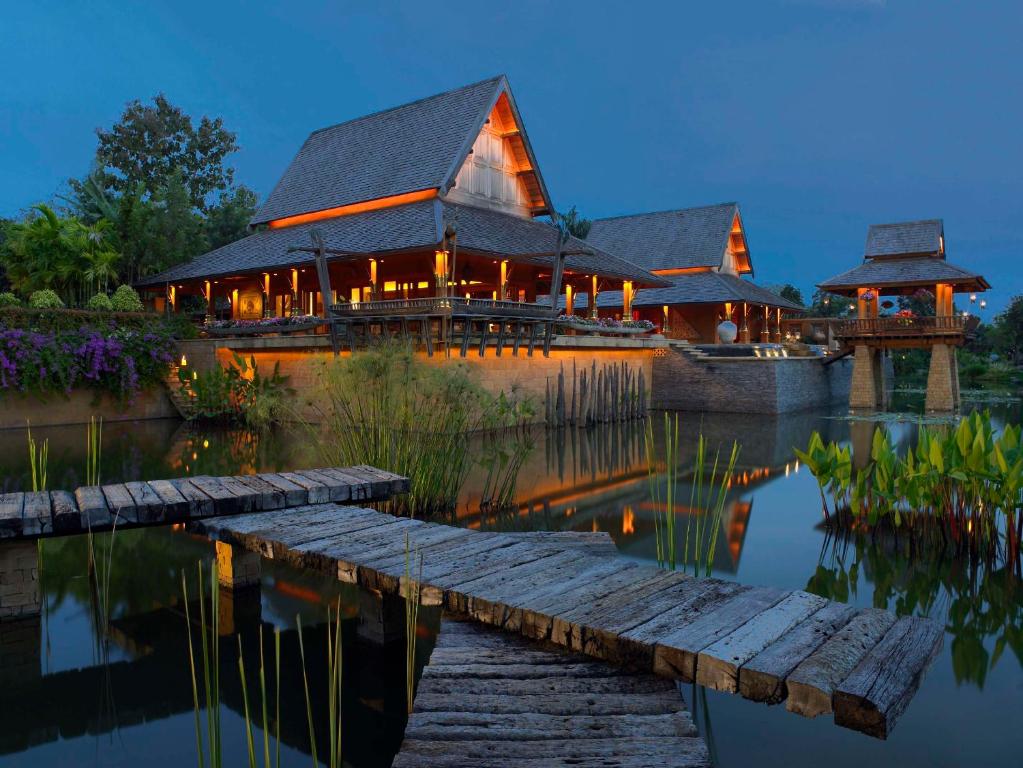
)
(906, 327)
(444, 306)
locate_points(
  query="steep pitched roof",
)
(701, 288)
(920, 270)
(413, 147)
(905, 238)
(405, 227)
(679, 239)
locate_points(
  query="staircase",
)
(686, 348)
(181, 400)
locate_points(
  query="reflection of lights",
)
(595, 528)
(628, 520)
(195, 456)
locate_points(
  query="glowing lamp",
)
(184, 361)
(983, 304)
(973, 298)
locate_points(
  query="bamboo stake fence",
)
(613, 392)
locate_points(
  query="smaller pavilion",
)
(905, 259)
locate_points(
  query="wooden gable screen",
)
(496, 172)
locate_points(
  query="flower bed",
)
(606, 325)
(289, 324)
(100, 354)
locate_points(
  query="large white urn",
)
(727, 331)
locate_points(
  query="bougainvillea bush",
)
(102, 356)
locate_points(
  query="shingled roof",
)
(701, 288)
(403, 228)
(410, 148)
(679, 239)
(906, 238)
(911, 272)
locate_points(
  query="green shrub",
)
(100, 303)
(125, 299)
(45, 299)
(8, 299)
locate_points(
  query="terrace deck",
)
(765, 644)
(491, 699)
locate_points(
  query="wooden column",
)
(237, 567)
(593, 296)
(440, 272)
(765, 330)
(744, 336)
(209, 300)
(569, 300)
(503, 295)
(627, 300)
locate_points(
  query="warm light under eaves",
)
(347, 210)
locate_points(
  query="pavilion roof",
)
(412, 148)
(415, 226)
(908, 272)
(905, 238)
(680, 239)
(701, 288)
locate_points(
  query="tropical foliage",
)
(965, 482)
(238, 392)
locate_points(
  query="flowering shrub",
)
(45, 299)
(266, 322)
(8, 299)
(868, 295)
(606, 323)
(100, 303)
(105, 357)
(125, 299)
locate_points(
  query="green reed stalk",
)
(38, 456)
(334, 690)
(93, 450)
(277, 678)
(308, 699)
(413, 595)
(245, 706)
(210, 658)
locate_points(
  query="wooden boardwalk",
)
(159, 502)
(492, 699)
(766, 644)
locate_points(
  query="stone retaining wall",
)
(77, 408)
(747, 384)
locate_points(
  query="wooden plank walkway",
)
(765, 644)
(159, 502)
(488, 698)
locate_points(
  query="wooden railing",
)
(437, 305)
(892, 327)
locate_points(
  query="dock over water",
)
(766, 644)
(488, 698)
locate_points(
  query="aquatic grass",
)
(707, 496)
(308, 698)
(93, 450)
(413, 590)
(212, 750)
(386, 408)
(38, 456)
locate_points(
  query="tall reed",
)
(413, 598)
(209, 632)
(249, 740)
(38, 456)
(93, 450)
(707, 496)
(386, 408)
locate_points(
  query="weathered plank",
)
(175, 505)
(762, 678)
(11, 506)
(200, 503)
(627, 752)
(676, 654)
(318, 492)
(812, 683)
(225, 501)
(148, 504)
(120, 503)
(295, 495)
(92, 505)
(65, 511)
(531, 726)
(268, 496)
(717, 666)
(877, 692)
(36, 516)
(336, 490)
(632, 703)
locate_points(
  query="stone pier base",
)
(20, 651)
(868, 387)
(381, 617)
(20, 595)
(239, 609)
(237, 567)
(943, 380)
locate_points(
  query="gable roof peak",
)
(906, 238)
(667, 211)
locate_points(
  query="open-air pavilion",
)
(905, 259)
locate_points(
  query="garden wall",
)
(747, 384)
(517, 377)
(77, 408)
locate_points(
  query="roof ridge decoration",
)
(415, 148)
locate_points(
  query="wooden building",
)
(704, 254)
(434, 201)
(905, 259)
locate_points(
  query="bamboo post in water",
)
(560, 405)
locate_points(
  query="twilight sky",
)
(818, 116)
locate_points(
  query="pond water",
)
(74, 694)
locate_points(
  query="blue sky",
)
(818, 116)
